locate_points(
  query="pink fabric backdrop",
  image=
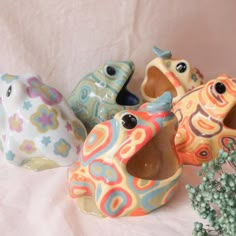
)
(62, 40)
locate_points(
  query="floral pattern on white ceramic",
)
(38, 128)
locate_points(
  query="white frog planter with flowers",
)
(38, 128)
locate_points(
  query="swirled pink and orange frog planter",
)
(38, 128)
(207, 120)
(128, 166)
(165, 73)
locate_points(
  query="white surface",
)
(62, 40)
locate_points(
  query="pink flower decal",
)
(45, 119)
(68, 127)
(28, 146)
(15, 123)
(49, 95)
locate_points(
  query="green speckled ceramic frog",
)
(101, 94)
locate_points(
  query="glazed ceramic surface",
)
(102, 93)
(165, 73)
(128, 164)
(38, 128)
(207, 120)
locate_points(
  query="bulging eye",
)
(181, 67)
(203, 153)
(111, 70)
(220, 88)
(9, 90)
(129, 121)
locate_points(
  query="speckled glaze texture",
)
(206, 118)
(165, 73)
(114, 176)
(101, 94)
(38, 128)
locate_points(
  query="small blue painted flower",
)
(46, 140)
(27, 105)
(10, 155)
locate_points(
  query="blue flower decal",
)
(27, 105)
(46, 140)
(10, 155)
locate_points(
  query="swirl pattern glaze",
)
(128, 165)
(166, 73)
(101, 94)
(206, 118)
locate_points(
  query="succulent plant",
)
(215, 198)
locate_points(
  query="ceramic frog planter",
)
(128, 165)
(38, 128)
(103, 93)
(207, 120)
(165, 73)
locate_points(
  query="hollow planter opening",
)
(125, 97)
(156, 160)
(157, 83)
(230, 119)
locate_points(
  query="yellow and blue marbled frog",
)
(128, 165)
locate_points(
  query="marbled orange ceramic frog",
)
(207, 120)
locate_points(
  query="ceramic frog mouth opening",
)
(165, 73)
(38, 128)
(207, 120)
(156, 160)
(124, 96)
(103, 93)
(230, 118)
(128, 164)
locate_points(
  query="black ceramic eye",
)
(204, 153)
(181, 67)
(9, 90)
(129, 121)
(220, 87)
(111, 70)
